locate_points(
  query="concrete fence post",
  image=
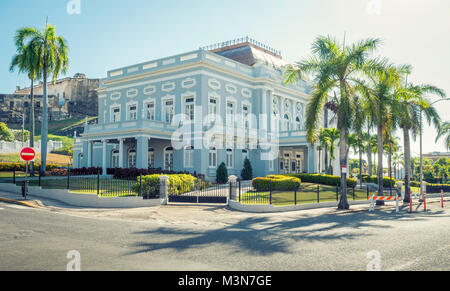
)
(400, 189)
(164, 189)
(233, 188)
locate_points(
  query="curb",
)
(23, 203)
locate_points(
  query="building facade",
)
(71, 97)
(193, 111)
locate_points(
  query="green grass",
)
(108, 187)
(306, 195)
(67, 142)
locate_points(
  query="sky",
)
(107, 34)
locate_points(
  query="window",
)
(168, 159)
(286, 123)
(230, 113)
(189, 157)
(115, 159)
(270, 165)
(132, 158)
(213, 158)
(244, 155)
(132, 112)
(168, 110)
(151, 158)
(298, 124)
(229, 158)
(245, 111)
(212, 109)
(189, 108)
(150, 111)
(115, 117)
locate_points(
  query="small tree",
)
(5, 133)
(247, 171)
(222, 174)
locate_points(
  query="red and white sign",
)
(27, 154)
(344, 169)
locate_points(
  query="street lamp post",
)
(421, 157)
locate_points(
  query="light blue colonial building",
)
(230, 94)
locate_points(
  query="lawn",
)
(56, 159)
(306, 194)
(107, 187)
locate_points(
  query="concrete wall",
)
(84, 200)
(272, 209)
(16, 147)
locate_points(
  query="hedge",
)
(178, 184)
(374, 180)
(323, 179)
(277, 182)
(9, 167)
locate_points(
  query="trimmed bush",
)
(9, 167)
(323, 179)
(178, 184)
(279, 183)
(247, 171)
(374, 180)
(222, 174)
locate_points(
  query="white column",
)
(104, 157)
(120, 152)
(89, 154)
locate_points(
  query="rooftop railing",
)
(239, 41)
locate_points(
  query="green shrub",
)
(247, 171)
(178, 184)
(323, 179)
(374, 180)
(279, 182)
(222, 174)
(9, 167)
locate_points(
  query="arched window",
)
(132, 158)
(298, 123)
(151, 158)
(212, 157)
(276, 120)
(286, 123)
(115, 159)
(189, 157)
(168, 158)
(230, 158)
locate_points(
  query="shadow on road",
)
(266, 235)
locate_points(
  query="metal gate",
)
(200, 192)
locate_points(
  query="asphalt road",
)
(214, 238)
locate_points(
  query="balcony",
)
(131, 125)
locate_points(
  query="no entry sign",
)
(27, 154)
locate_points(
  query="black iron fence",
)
(199, 191)
(245, 193)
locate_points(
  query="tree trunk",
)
(343, 203)
(407, 146)
(380, 159)
(32, 123)
(44, 122)
(360, 165)
(369, 158)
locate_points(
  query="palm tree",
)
(444, 130)
(26, 61)
(409, 102)
(397, 160)
(335, 68)
(378, 94)
(329, 137)
(52, 53)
